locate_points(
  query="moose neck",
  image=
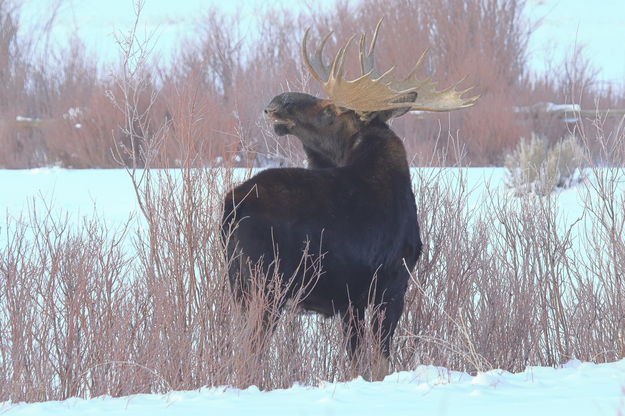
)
(330, 150)
(378, 149)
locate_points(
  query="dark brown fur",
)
(354, 207)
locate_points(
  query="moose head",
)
(327, 127)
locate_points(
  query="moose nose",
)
(271, 109)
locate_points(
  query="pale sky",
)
(597, 25)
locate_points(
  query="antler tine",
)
(373, 91)
(339, 60)
(448, 99)
(316, 67)
(367, 59)
(415, 68)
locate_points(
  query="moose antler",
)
(373, 91)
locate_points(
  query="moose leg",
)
(353, 328)
(384, 325)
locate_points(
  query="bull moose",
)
(353, 209)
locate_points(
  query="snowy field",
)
(109, 192)
(575, 389)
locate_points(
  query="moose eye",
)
(326, 116)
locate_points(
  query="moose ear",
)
(329, 112)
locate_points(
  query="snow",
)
(574, 389)
(25, 119)
(549, 108)
(107, 192)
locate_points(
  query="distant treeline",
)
(59, 108)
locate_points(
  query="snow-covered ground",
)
(575, 389)
(78, 192)
(109, 192)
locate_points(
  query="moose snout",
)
(271, 109)
(276, 110)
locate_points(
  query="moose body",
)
(359, 220)
(353, 212)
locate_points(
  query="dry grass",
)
(535, 166)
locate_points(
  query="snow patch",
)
(574, 389)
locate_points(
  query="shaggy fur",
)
(353, 208)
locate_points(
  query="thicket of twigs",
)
(232, 76)
(86, 310)
(503, 283)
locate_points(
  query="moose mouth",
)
(280, 125)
